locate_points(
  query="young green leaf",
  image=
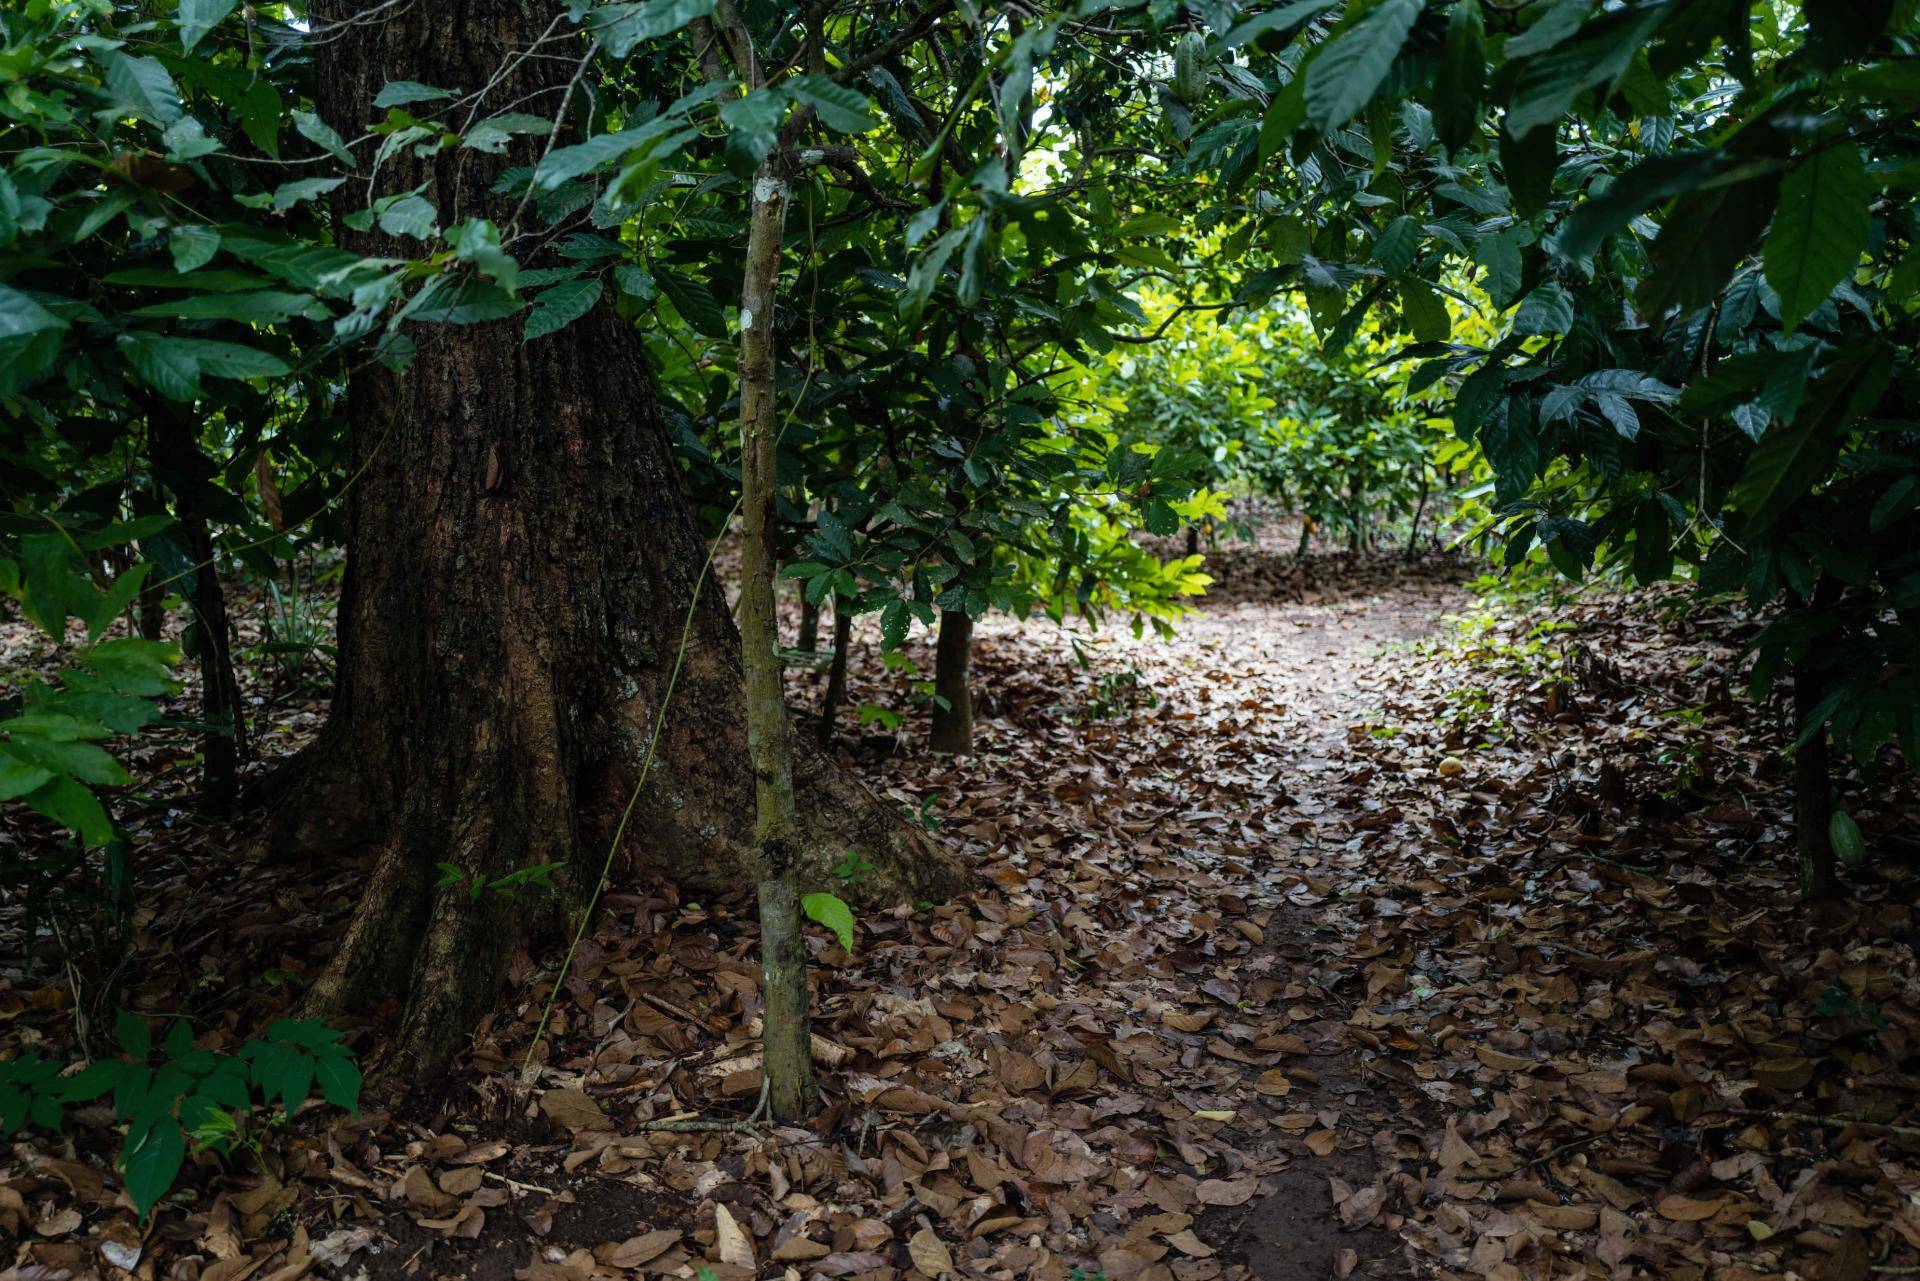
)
(831, 911)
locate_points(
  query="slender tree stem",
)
(788, 1062)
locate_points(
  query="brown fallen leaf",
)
(573, 1110)
(930, 1253)
(635, 1251)
(1226, 1191)
(731, 1242)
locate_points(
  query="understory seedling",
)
(514, 886)
(184, 1094)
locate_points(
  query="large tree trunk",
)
(521, 561)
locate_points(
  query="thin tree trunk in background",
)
(176, 454)
(1419, 510)
(837, 671)
(224, 742)
(150, 606)
(1193, 540)
(1812, 790)
(809, 637)
(1306, 533)
(787, 1058)
(953, 723)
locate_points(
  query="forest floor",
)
(1366, 928)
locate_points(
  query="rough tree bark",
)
(952, 681)
(521, 563)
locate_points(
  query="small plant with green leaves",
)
(852, 868)
(1120, 694)
(184, 1093)
(516, 886)
(922, 814)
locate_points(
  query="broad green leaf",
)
(477, 240)
(153, 1162)
(262, 307)
(1394, 247)
(167, 365)
(693, 300)
(69, 803)
(289, 194)
(831, 911)
(1279, 21)
(1547, 310)
(231, 360)
(192, 247)
(1548, 82)
(1627, 197)
(566, 163)
(399, 93)
(619, 27)
(1528, 165)
(1462, 75)
(461, 302)
(1820, 229)
(840, 108)
(197, 17)
(142, 87)
(30, 336)
(339, 1080)
(561, 305)
(1793, 457)
(1705, 236)
(322, 135)
(1425, 311)
(1350, 70)
(19, 776)
(409, 215)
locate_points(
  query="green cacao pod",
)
(1844, 833)
(1189, 73)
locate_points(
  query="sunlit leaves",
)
(197, 17)
(143, 88)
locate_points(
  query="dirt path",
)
(1259, 691)
(1322, 662)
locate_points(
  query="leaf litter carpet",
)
(1332, 938)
